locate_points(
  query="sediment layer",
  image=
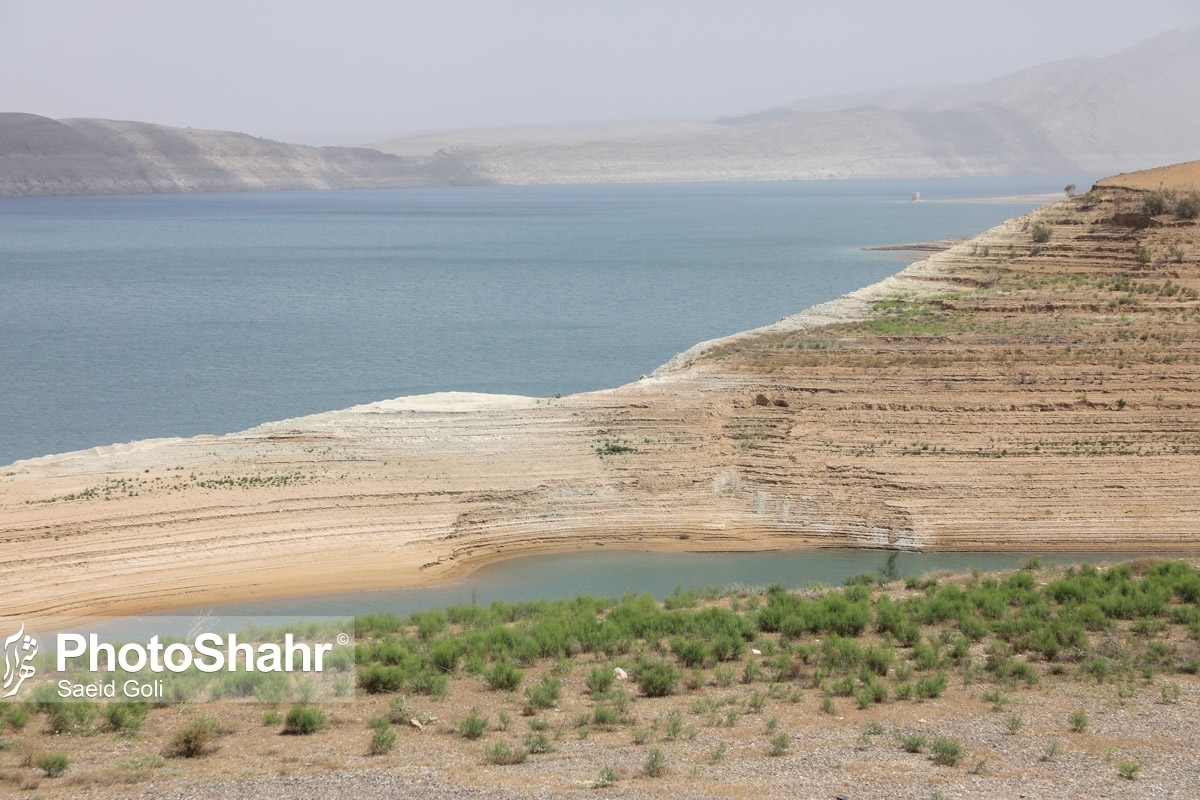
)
(1004, 393)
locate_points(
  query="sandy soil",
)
(1150, 721)
(1179, 177)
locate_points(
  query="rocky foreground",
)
(1033, 388)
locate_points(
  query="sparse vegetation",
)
(502, 753)
(303, 720)
(655, 765)
(196, 738)
(383, 738)
(1129, 769)
(946, 751)
(52, 764)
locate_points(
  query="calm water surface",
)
(131, 317)
(612, 574)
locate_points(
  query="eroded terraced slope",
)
(1033, 388)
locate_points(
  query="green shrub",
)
(605, 717)
(196, 738)
(1078, 720)
(655, 764)
(398, 713)
(607, 777)
(271, 717)
(543, 694)
(879, 660)
(911, 742)
(780, 744)
(723, 676)
(691, 652)
(125, 717)
(1127, 769)
(873, 690)
(303, 720)
(501, 753)
(538, 743)
(52, 764)
(473, 726)
(599, 680)
(69, 717)
(16, 716)
(429, 623)
(379, 678)
(1188, 206)
(657, 679)
(383, 738)
(1154, 204)
(429, 682)
(1041, 233)
(929, 686)
(946, 751)
(445, 655)
(503, 676)
(674, 727)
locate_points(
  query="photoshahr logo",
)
(19, 650)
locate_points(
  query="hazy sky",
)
(299, 67)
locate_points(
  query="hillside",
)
(40, 156)
(1132, 110)
(1034, 388)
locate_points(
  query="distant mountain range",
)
(1135, 109)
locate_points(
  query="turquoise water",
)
(612, 574)
(131, 317)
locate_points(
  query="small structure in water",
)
(915, 197)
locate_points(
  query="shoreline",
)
(778, 438)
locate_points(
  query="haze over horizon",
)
(302, 71)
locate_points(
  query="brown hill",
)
(40, 156)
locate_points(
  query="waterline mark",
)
(181, 659)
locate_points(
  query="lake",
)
(131, 317)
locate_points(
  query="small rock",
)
(756, 651)
(416, 723)
(620, 674)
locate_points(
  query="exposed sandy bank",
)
(1023, 395)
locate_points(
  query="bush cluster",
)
(1066, 623)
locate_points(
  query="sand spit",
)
(1003, 393)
